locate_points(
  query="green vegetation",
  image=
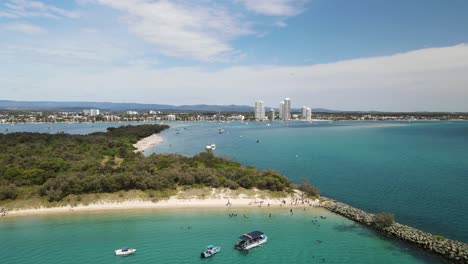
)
(383, 219)
(63, 165)
(440, 238)
(308, 189)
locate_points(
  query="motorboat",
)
(211, 147)
(210, 251)
(125, 251)
(251, 240)
(220, 131)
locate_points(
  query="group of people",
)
(3, 212)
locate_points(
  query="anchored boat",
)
(210, 251)
(251, 240)
(124, 251)
(211, 147)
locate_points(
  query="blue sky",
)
(350, 55)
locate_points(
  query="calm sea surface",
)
(179, 236)
(418, 171)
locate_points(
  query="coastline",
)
(452, 250)
(148, 142)
(216, 199)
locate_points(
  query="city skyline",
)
(363, 55)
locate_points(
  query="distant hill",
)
(117, 107)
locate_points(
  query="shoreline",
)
(148, 142)
(181, 121)
(220, 199)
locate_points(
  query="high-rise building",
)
(287, 109)
(308, 115)
(272, 114)
(280, 110)
(91, 112)
(259, 111)
(304, 110)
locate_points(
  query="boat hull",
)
(209, 253)
(128, 252)
(248, 246)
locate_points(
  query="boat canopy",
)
(210, 246)
(251, 235)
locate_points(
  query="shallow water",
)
(178, 236)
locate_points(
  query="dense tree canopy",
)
(64, 164)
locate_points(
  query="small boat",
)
(125, 251)
(211, 147)
(210, 251)
(251, 240)
(220, 131)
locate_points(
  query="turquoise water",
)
(418, 170)
(179, 236)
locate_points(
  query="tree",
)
(308, 188)
(383, 219)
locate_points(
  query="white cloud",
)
(25, 28)
(281, 24)
(432, 79)
(182, 28)
(27, 8)
(274, 7)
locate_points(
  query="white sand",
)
(220, 200)
(148, 142)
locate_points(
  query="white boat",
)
(251, 240)
(210, 251)
(211, 147)
(124, 251)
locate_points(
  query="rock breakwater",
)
(454, 251)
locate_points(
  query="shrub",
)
(8, 192)
(383, 219)
(307, 188)
(54, 195)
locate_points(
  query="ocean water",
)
(178, 236)
(417, 171)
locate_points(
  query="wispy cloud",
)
(27, 8)
(24, 28)
(183, 28)
(427, 79)
(281, 24)
(283, 8)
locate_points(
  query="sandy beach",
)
(148, 142)
(218, 199)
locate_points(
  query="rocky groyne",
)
(454, 251)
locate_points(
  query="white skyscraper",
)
(304, 112)
(280, 110)
(259, 111)
(272, 114)
(287, 109)
(91, 112)
(308, 115)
